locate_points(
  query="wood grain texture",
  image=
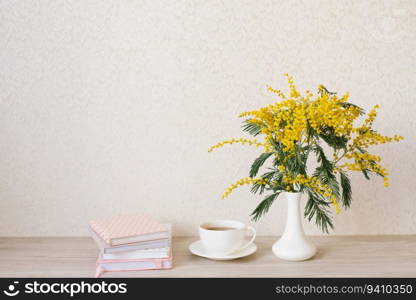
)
(338, 256)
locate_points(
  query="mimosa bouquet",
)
(302, 128)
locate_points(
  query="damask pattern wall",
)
(110, 106)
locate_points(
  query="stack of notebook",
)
(131, 242)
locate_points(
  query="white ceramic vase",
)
(293, 244)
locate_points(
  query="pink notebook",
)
(111, 265)
(128, 229)
(107, 249)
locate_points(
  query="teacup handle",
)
(252, 239)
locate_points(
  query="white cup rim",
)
(236, 225)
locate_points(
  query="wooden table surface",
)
(338, 256)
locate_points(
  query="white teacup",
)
(222, 237)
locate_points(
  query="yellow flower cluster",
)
(314, 184)
(287, 121)
(366, 137)
(293, 91)
(237, 141)
(363, 156)
(371, 116)
(299, 123)
(328, 111)
(371, 138)
(243, 181)
(367, 165)
(277, 92)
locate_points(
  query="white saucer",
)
(198, 249)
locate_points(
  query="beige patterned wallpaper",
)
(110, 106)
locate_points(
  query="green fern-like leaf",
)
(347, 104)
(326, 91)
(322, 159)
(318, 209)
(346, 190)
(295, 162)
(260, 188)
(325, 172)
(366, 174)
(258, 163)
(329, 136)
(264, 206)
(251, 128)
